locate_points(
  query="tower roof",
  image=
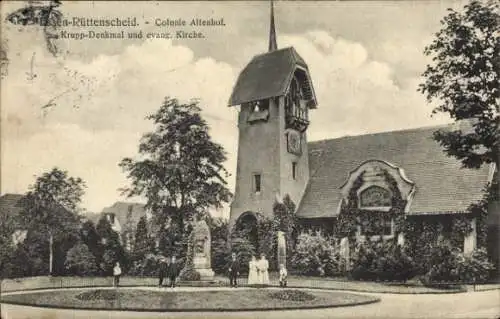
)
(269, 75)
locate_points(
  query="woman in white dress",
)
(263, 267)
(253, 277)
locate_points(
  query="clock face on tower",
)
(294, 142)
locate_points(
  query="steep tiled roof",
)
(10, 204)
(442, 186)
(267, 75)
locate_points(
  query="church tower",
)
(274, 93)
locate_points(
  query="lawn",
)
(342, 283)
(168, 300)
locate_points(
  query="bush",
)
(451, 265)
(364, 262)
(316, 255)
(17, 263)
(219, 256)
(384, 261)
(80, 261)
(393, 264)
(474, 268)
(148, 266)
(442, 263)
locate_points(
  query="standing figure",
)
(283, 275)
(253, 277)
(234, 271)
(263, 266)
(117, 271)
(162, 272)
(172, 272)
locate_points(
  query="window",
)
(259, 111)
(375, 196)
(294, 170)
(257, 183)
(382, 226)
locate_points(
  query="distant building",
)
(123, 218)
(10, 206)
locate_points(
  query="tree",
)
(112, 250)
(219, 231)
(6, 245)
(464, 78)
(142, 243)
(180, 169)
(128, 230)
(80, 260)
(51, 207)
(90, 237)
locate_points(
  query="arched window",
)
(375, 196)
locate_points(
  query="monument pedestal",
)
(202, 266)
(206, 274)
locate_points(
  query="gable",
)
(441, 184)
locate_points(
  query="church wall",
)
(258, 153)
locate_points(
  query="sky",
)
(365, 60)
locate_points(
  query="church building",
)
(386, 178)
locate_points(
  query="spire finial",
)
(272, 31)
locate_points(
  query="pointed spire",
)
(272, 31)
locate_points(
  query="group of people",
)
(258, 272)
(168, 269)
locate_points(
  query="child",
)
(117, 271)
(283, 275)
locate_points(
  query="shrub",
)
(315, 255)
(474, 268)
(219, 231)
(393, 264)
(442, 263)
(17, 263)
(80, 261)
(219, 256)
(381, 260)
(451, 265)
(148, 266)
(363, 262)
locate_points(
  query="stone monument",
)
(201, 250)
